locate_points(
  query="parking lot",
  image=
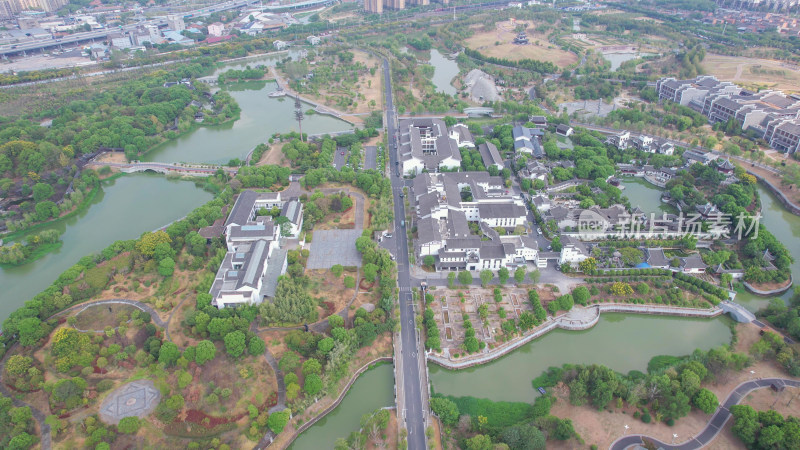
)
(331, 247)
(370, 157)
(340, 157)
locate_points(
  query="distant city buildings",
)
(769, 115)
(176, 23)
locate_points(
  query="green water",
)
(646, 196)
(124, 209)
(260, 118)
(786, 227)
(622, 342)
(446, 70)
(374, 389)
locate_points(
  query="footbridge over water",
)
(205, 170)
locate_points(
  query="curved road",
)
(714, 426)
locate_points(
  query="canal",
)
(446, 70)
(124, 209)
(374, 389)
(622, 342)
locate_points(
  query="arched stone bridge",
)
(168, 168)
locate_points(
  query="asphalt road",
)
(412, 376)
(716, 423)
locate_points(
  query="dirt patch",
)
(498, 43)
(788, 190)
(752, 72)
(97, 317)
(274, 156)
(325, 285)
(112, 157)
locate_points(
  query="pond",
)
(374, 389)
(621, 342)
(646, 196)
(617, 59)
(124, 209)
(260, 118)
(446, 70)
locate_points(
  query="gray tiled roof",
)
(242, 209)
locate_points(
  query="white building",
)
(216, 29)
(254, 261)
(313, 40)
(573, 251)
(426, 145)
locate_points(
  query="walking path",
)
(714, 426)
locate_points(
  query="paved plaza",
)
(138, 398)
(331, 247)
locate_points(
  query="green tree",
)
(289, 362)
(445, 409)
(465, 278)
(205, 351)
(235, 343)
(41, 192)
(166, 267)
(169, 353)
(486, 277)
(30, 331)
(337, 270)
(479, 442)
(325, 345)
(503, 274)
(519, 275)
(581, 295)
(312, 384)
(277, 421)
(706, 401)
(311, 366)
(523, 437)
(256, 346)
(129, 425)
(451, 279)
(428, 260)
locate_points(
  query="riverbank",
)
(787, 202)
(80, 208)
(769, 292)
(284, 440)
(579, 318)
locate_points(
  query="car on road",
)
(398, 174)
(402, 223)
(387, 235)
(341, 153)
(539, 230)
(402, 195)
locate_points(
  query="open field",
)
(753, 71)
(484, 42)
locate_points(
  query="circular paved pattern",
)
(138, 398)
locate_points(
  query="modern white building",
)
(254, 261)
(573, 251)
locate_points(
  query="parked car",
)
(549, 247)
(342, 153)
(403, 223)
